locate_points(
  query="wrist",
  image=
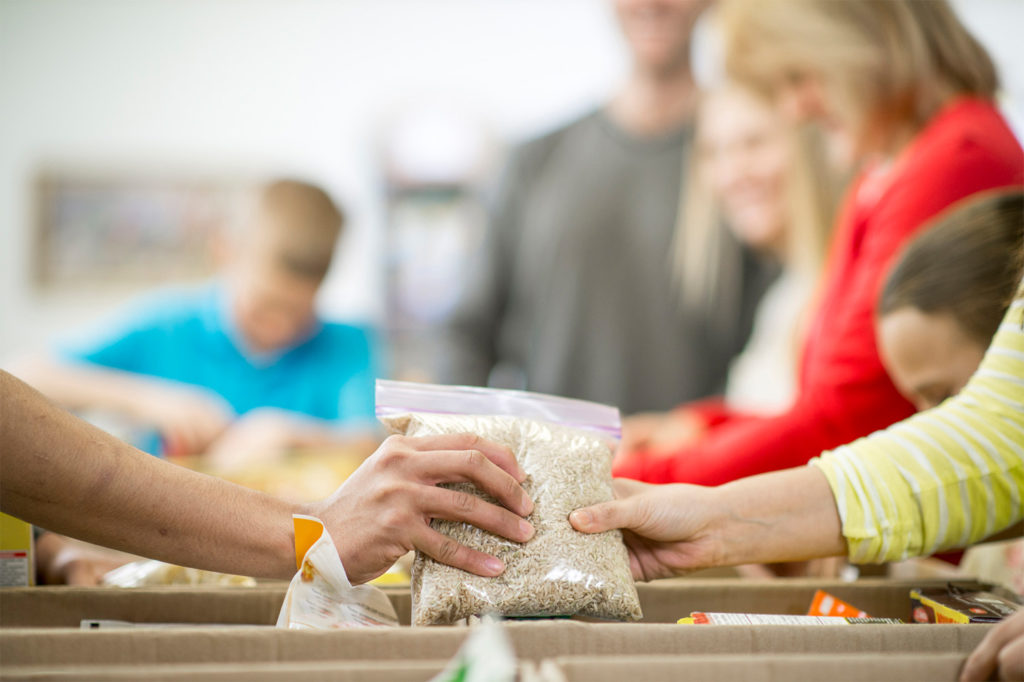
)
(719, 529)
(282, 542)
(737, 524)
(785, 515)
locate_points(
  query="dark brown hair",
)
(967, 264)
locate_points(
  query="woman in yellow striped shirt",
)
(947, 477)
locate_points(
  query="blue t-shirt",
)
(187, 335)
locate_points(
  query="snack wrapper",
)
(825, 604)
(320, 595)
(709, 618)
(486, 656)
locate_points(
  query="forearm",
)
(301, 432)
(78, 386)
(63, 474)
(786, 515)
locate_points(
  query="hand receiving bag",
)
(565, 447)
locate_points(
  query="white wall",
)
(275, 86)
(295, 86)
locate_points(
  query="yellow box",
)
(17, 553)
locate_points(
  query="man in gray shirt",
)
(573, 293)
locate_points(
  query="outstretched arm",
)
(947, 477)
(189, 418)
(675, 529)
(65, 475)
(61, 473)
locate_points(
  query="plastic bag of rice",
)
(565, 447)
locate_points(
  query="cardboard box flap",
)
(531, 640)
(68, 606)
(317, 671)
(663, 601)
(756, 668)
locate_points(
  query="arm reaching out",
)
(947, 477)
(65, 475)
(675, 529)
(189, 418)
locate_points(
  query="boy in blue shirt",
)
(240, 368)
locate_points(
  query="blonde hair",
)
(889, 65)
(299, 224)
(707, 259)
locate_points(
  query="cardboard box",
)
(68, 606)
(663, 601)
(533, 640)
(41, 639)
(333, 671)
(756, 668)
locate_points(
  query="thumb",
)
(601, 517)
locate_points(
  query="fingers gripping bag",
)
(565, 448)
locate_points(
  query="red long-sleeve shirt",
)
(844, 392)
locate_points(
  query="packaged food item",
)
(565, 447)
(486, 656)
(707, 618)
(153, 573)
(825, 604)
(17, 553)
(320, 595)
(961, 603)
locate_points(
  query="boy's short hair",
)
(300, 224)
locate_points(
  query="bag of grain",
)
(565, 447)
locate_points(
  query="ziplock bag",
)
(565, 447)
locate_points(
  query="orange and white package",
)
(320, 595)
(825, 604)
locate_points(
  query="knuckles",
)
(395, 518)
(393, 453)
(447, 550)
(475, 459)
(510, 489)
(464, 503)
(394, 442)
(469, 440)
(394, 493)
(1009, 660)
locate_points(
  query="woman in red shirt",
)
(908, 91)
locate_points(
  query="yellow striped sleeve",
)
(947, 477)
